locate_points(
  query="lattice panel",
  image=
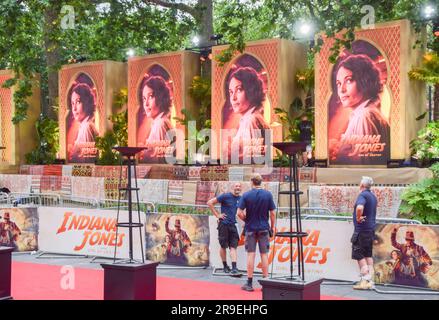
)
(6, 104)
(388, 41)
(268, 55)
(173, 64)
(66, 78)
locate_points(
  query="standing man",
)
(227, 233)
(260, 208)
(362, 240)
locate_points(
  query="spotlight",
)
(216, 38)
(305, 29)
(131, 53)
(151, 50)
(196, 40)
(429, 11)
(78, 59)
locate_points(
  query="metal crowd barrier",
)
(349, 218)
(112, 204)
(56, 200)
(283, 212)
(163, 207)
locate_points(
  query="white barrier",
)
(327, 250)
(87, 232)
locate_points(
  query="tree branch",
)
(179, 6)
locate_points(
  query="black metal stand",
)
(130, 279)
(129, 153)
(292, 287)
(291, 149)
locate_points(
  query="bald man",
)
(227, 232)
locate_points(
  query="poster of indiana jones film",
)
(407, 255)
(155, 117)
(178, 239)
(82, 119)
(19, 228)
(359, 108)
(244, 126)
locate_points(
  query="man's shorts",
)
(261, 237)
(362, 243)
(228, 235)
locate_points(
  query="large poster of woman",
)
(243, 119)
(154, 118)
(81, 121)
(359, 108)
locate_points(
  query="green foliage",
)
(426, 145)
(305, 79)
(232, 19)
(429, 71)
(48, 142)
(118, 136)
(421, 200)
(201, 91)
(107, 156)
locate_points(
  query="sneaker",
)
(235, 273)
(363, 285)
(227, 269)
(247, 287)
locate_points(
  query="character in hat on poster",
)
(9, 232)
(180, 242)
(415, 261)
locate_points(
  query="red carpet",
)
(31, 281)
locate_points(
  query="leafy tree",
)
(421, 200)
(429, 72)
(32, 39)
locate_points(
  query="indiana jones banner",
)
(19, 228)
(407, 255)
(178, 239)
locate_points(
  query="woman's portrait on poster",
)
(359, 132)
(81, 129)
(246, 94)
(154, 118)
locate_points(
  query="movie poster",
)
(89, 232)
(178, 239)
(19, 228)
(155, 123)
(245, 134)
(407, 255)
(82, 121)
(359, 108)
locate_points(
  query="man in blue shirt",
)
(227, 233)
(259, 208)
(362, 240)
